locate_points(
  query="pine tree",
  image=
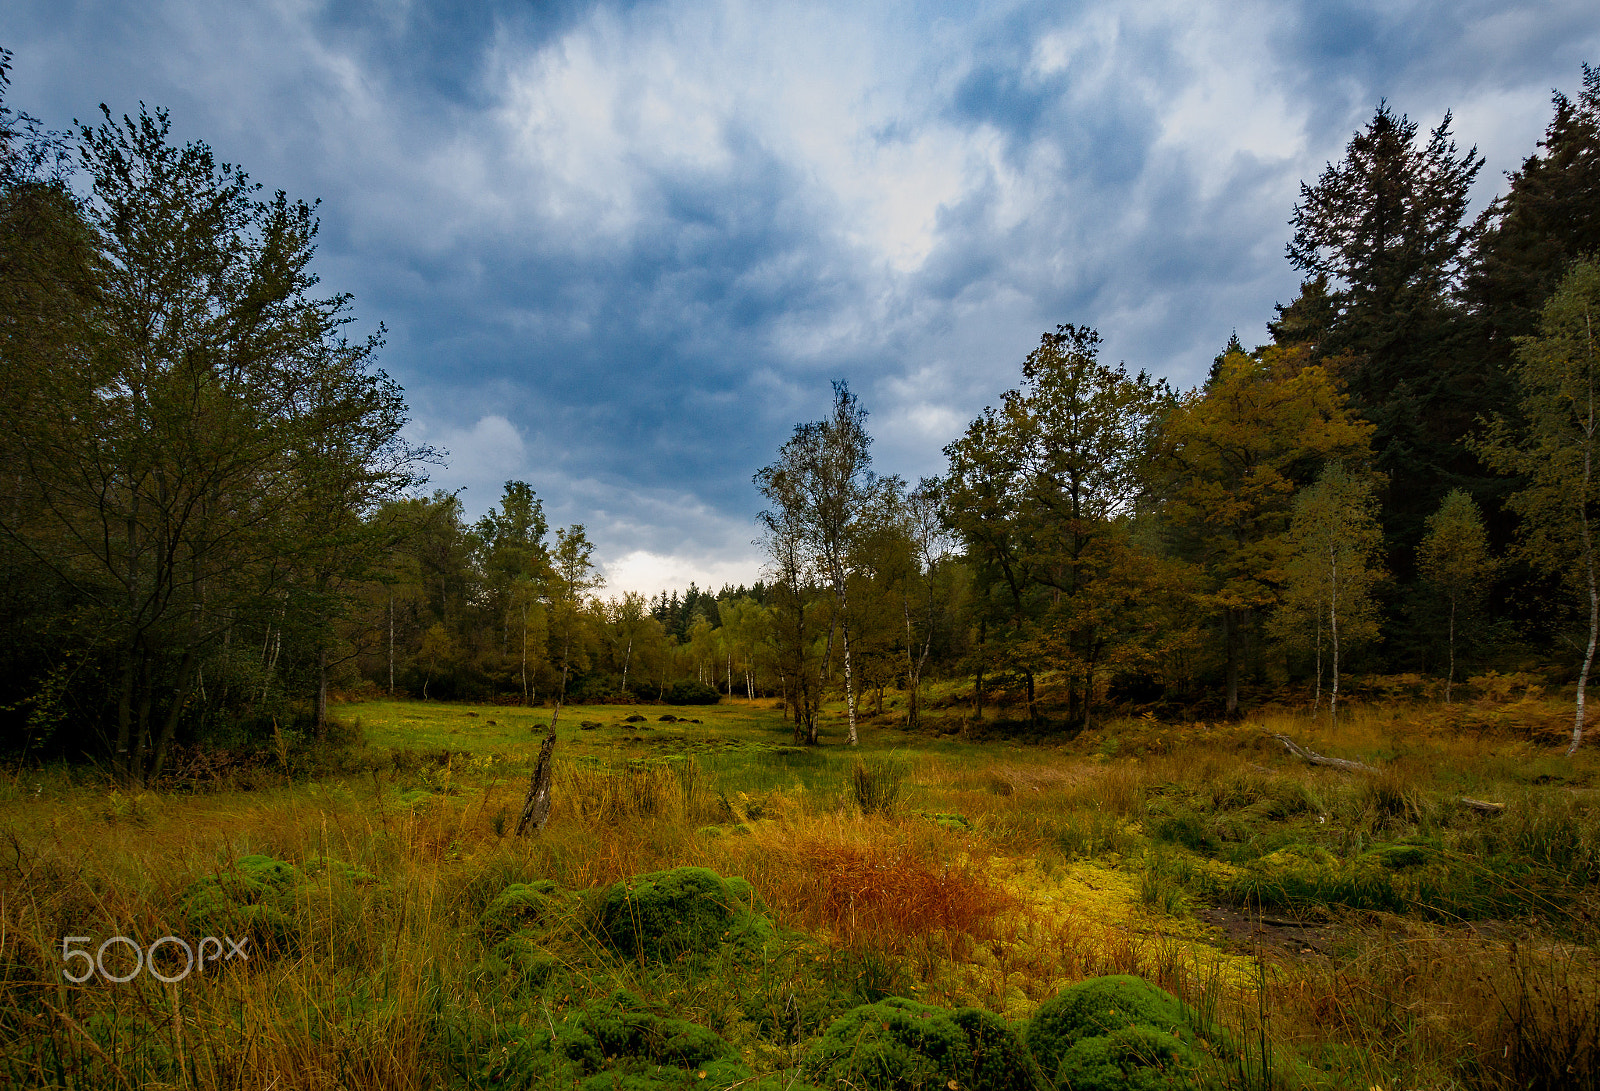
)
(1386, 228)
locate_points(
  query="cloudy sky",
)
(621, 249)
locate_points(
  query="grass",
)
(1454, 948)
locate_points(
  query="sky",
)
(621, 250)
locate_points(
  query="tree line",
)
(1402, 480)
(211, 521)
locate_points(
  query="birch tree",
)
(1454, 560)
(1334, 538)
(823, 479)
(1559, 374)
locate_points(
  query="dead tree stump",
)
(536, 805)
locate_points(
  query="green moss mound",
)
(522, 906)
(901, 1045)
(662, 914)
(254, 898)
(623, 1027)
(1114, 1032)
(1131, 1059)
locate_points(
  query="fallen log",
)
(1319, 759)
(1484, 805)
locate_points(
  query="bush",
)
(901, 1045)
(689, 692)
(663, 914)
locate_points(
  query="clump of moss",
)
(901, 1045)
(663, 914)
(521, 906)
(1130, 1059)
(253, 898)
(1113, 1032)
(622, 1026)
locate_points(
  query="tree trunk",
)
(849, 683)
(169, 728)
(322, 691)
(536, 805)
(1594, 595)
(1450, 678)
(977, 685)
(1316, 692)
(524, 657)
(1230, 639)
(1333, 633)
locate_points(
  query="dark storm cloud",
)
(621, 249)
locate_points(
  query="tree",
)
(1040, 494)
(628, 621)
(1455, 561)
(1334, 541)
(922, 527)
(1548, 217)
(171, 459)
(1232, 457)
(824, 479)
(792, 594)
(1557, 452)
(515, 561)
(572, 579)
(1386, 226)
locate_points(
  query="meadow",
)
(1322, 927)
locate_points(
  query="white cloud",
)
(650, 573)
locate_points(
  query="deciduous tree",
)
(1559, 450)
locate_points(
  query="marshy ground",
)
(1337, 929)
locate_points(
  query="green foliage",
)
(901, 1045)
(688, 691)
(664, 914)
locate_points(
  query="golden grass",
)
(1002, 913)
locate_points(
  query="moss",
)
(522, 905)
(622, 1027)
(716, 1076)
(1109, 1023)
(901, 1045)
(1135, 1058)
(253, 898)
(663, 914)
(531, 964)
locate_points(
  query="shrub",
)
(690, 692)
(901, 1045)
(665, 913)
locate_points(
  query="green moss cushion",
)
(663, 914)
(901, 1045)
